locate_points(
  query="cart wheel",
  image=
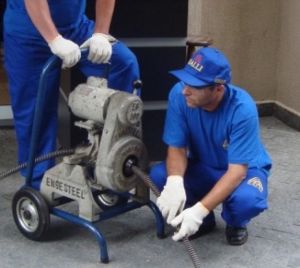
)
(31, 213)
(106, 199)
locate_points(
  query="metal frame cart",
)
(92, 174)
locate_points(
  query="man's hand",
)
(65, 49)
(100, 48)
(189, 220)
(172, 198)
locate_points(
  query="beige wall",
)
(248, 33)
(288, 91)
(207, 18)
(259, 42)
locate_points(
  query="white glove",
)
(100, 47)
(190, 220)
(65, 49)
(172, 199)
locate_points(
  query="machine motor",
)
(113, 123)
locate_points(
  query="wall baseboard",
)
(6, 116)
(285, 114)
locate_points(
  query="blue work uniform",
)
(26, 52)
(227, 135)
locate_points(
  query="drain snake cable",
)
(146, 179)
(187, 243)
(37, 160)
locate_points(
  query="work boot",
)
(236, 236)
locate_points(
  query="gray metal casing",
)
(115, 135)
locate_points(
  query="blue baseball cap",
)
(207, 66)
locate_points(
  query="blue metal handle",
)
(53, 63)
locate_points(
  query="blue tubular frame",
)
(107, 215)
(84, 223)
(53, 63)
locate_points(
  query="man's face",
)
(207, 98)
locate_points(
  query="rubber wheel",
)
(106, 199)
(31, 213)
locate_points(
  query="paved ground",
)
(274, 236)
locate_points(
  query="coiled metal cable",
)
(194, 257)
(37, 160)
(152, 186)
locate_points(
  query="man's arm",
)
(176, 161)
(173, 197)
(100, 48)
(225, 186)
(39, 13)
(104, 13)
(191, 218)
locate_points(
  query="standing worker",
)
(36, 29)
(215, 154)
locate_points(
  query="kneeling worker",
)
(215, 154)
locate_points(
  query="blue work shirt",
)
(227, 135)
(66, 14)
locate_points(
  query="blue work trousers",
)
(245, 202)
(24, 61)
